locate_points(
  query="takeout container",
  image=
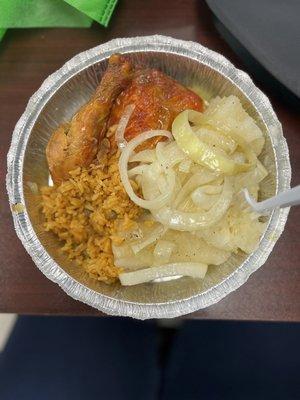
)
(60, 96)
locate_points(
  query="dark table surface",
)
(28, 56)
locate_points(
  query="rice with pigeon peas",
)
(85, 213)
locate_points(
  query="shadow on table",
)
(114, 358)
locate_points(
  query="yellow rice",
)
(87, 211)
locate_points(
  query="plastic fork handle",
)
(290, 197)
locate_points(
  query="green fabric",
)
(2, 32)
(40, 13)
(99, 11)
(54, 13)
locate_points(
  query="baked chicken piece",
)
(75, 144)
(157, 99)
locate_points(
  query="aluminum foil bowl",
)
(56, 101)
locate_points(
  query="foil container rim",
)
(22, 222)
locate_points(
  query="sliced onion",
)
(124, 257)
(196, 180)
(162, 199)
(138, 180)
(169, 154)
(199, 151)
(227, 113)
(202, 199)
(153, 171)
(133, 262)
(190, 248)
(194, 270)
(238, 157)
(149, 185)
(162, 251)
(154, 235)
(145, 156)
(199, 119)
(216, 139)
(261, 169)
(119, 135)
(212, 189)
(187, 205)
(185, 166)
(184, 221)
(245, 146)
(253, 177)
(159, 151)
(257, 145)
(121, 251)
(139, 170)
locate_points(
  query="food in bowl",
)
(147, 179)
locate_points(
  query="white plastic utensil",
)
(288, 198)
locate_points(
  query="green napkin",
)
(2, 31)
(98, 10)
(54, 13)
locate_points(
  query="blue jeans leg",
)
(235, 361)
(56, 358)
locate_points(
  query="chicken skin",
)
(75, 144)
(157, 99)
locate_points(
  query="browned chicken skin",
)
(75, 143)
(157, 99)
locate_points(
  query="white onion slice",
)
(139, 170)
(185, 165)
(162, 251)
(185, 221)
(162, 199)
(194, 270)
(133, 263)
(121, 251)
(202, 199)
(145, 156)
(169, 154)
(155, 234)
(212, 189)
(196, 180)
(216, 139)
(119, 135)
(253, 177)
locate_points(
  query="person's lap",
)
(79, 358)
(234, 360)
(114, 358)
